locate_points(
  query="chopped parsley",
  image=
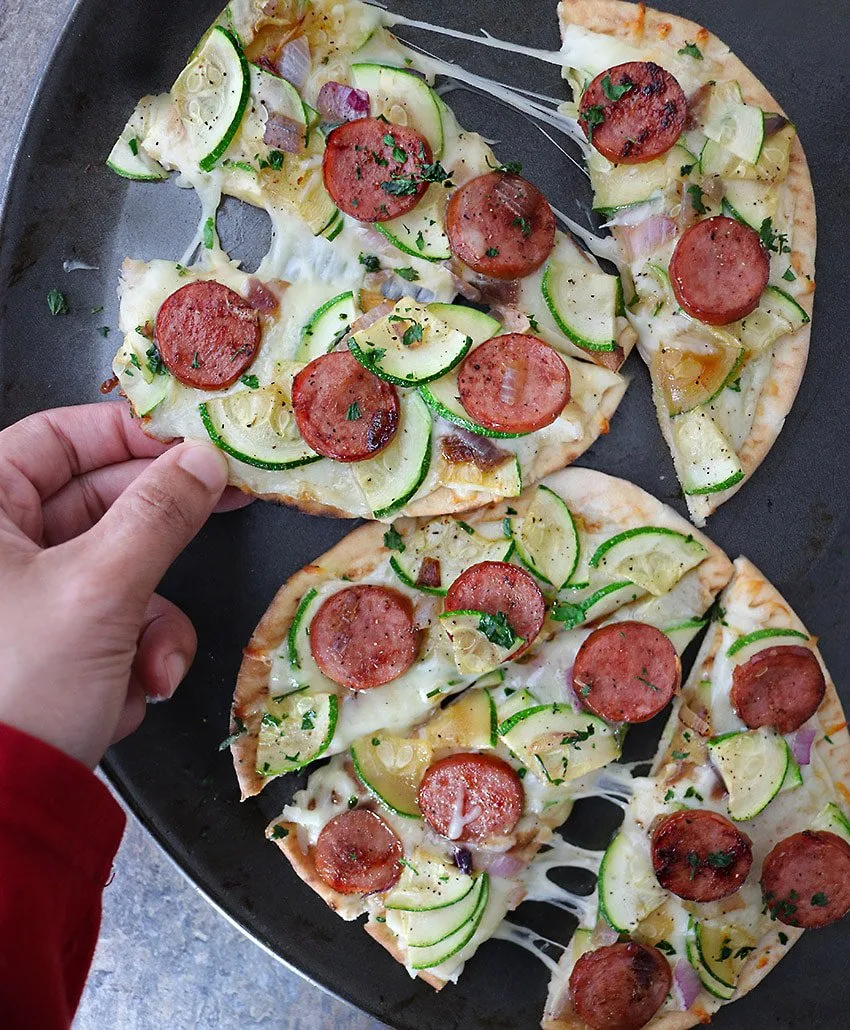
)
(497, 629)
(820, 900)
(735, 385)
(412, 868)
(693, 861)
(134, 360)
(696, 195)
(593, 116)
(783, 937)
(413, 334)
(691, 792)
(409, 274)
(492, 252)
(420, 241)
(666, 947)
(772, 240)
(788, 275)
(181, 271)
(670, 795)
(743, 952)
(465, 526)
(400, 186)
(156, 366)
(686, 170)
(374, 356)
(533, 324)
(352, 801)
(524, 226)
(251, 381)
(720, 859)
(133, 144)
(510, 167)
(209, 234)
(681, 754)
(196, 361)
(691, 50)
(393, 540)
(613, 92)
(369, 262)
(376, 741)
(237, 733)
(273, 161)
(308, 720)
(279, 833)
(57, 302)
(354, 413)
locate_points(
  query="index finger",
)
(50, 448)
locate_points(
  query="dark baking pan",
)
(791, 520)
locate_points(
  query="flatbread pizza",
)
(438, 664)
(705, 187)
(385, 212)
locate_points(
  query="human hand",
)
(92, 513)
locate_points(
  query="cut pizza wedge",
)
(454, 758)
(736, 841)
(707, 192)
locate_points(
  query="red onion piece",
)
(773, 123)
(340, 103)
(294, 62)
(639, 241)
(604, 935)
(801, 744)
(426, 612)
(501, 864)
(462, 446)
(463, 860)
(260, 297)
(372, 316)
(687, 983)
(512, 383)
(284, 133)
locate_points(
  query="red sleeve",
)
(59, 831)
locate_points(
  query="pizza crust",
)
(643, 26)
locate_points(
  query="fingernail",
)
(206, 463)
(176, 667)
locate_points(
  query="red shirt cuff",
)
(52, 798)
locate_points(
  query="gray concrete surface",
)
(166, 958)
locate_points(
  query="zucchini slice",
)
(428, 929)
(257, 427)
(469, 723)
(517, 702)
(777, 315)
(546, 537)
(393, 476)
(453, 546)
(410, 346)
(753, 766)
(750, 201)
(558, 743)
(833, 819)
(721, 950)
(767, 637)
(708, 463)
(734, 125)
(427, 884)
(584, 604)
(421, 232)
(211, 95)
(402, 98)
(503, 481)
(794, 776)
(474, 652)
(126, 158)
(620, 186)
(295, 731)
(427, 958)
(653, 557)
(772, 165)
(326, 327)
(392, 768)
(628, 889)
(707, 978)
(585, 302)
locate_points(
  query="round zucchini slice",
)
(707, 462)
(546, 537)
(559, 744)
(653, 557)
(628, 889)
(421, 232)
(211, 95)
(392, 768)
(480, 642)
(257, 427)
(427, 958)
(584, 302)
(326, 327)
(427, 884)
(753, 766)
(295, 731)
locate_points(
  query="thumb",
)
(154, 519)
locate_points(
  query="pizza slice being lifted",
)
(469, 680)
(343, 377)
(736, 841)
(708, 195)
